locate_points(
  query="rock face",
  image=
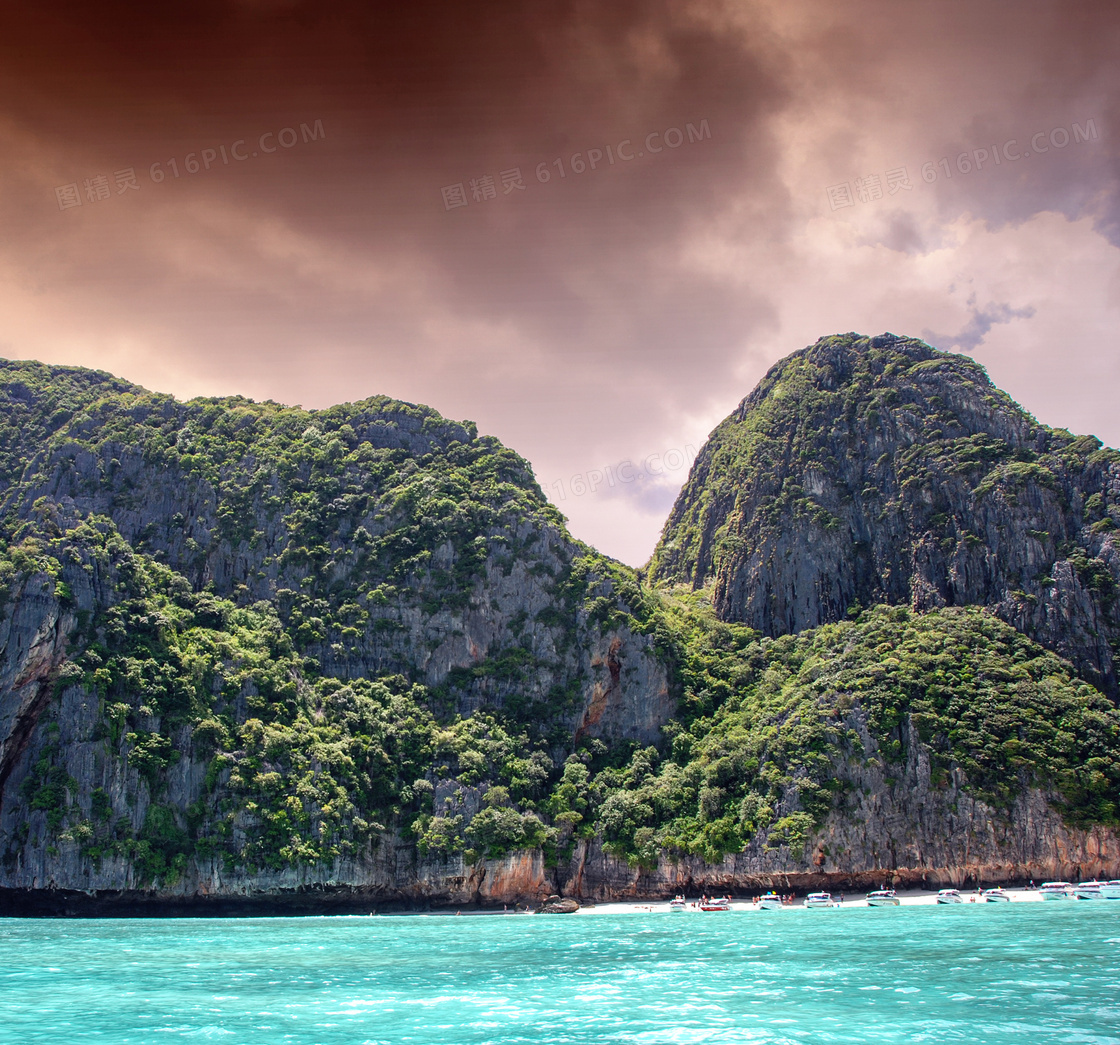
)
(869, 470)
(905, 833)
(270, 546)
(444, 584)
(33, 637)
(556, 905)
(255, 658)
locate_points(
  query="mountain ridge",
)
(256, 657)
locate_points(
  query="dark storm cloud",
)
(418, 97)
(414, 96)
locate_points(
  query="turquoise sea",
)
(1022, 973)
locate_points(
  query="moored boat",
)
(949, 896)
(1089, 890)
(770, 902)
(1056, 891)
(882, 898)
(1111, 890)
(996, 895)
(716, 903)
(820, 900)
(677, 903)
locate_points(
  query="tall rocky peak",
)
(385, 538)
(869, 470)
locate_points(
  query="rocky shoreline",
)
(544, 895)
(343, 900)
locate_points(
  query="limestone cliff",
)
(229, 631)
(905, 831)
(259, 658)
(870, 470)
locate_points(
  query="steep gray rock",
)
(867, 470)
(378, 540)
(898, 829)
(196, 547)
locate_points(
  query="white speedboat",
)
(996, 895)
(882, 898)
(949, 896)
(820, 900)
(1056, 891)
(1089, 890)
(677, 903)
(770, 902)
(716, 903)
(1111, 890)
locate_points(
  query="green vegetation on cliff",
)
(817, 411)
(285, 635)
(303, 768)
(771, 728)
(879, 470)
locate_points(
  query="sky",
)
(588, 227)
